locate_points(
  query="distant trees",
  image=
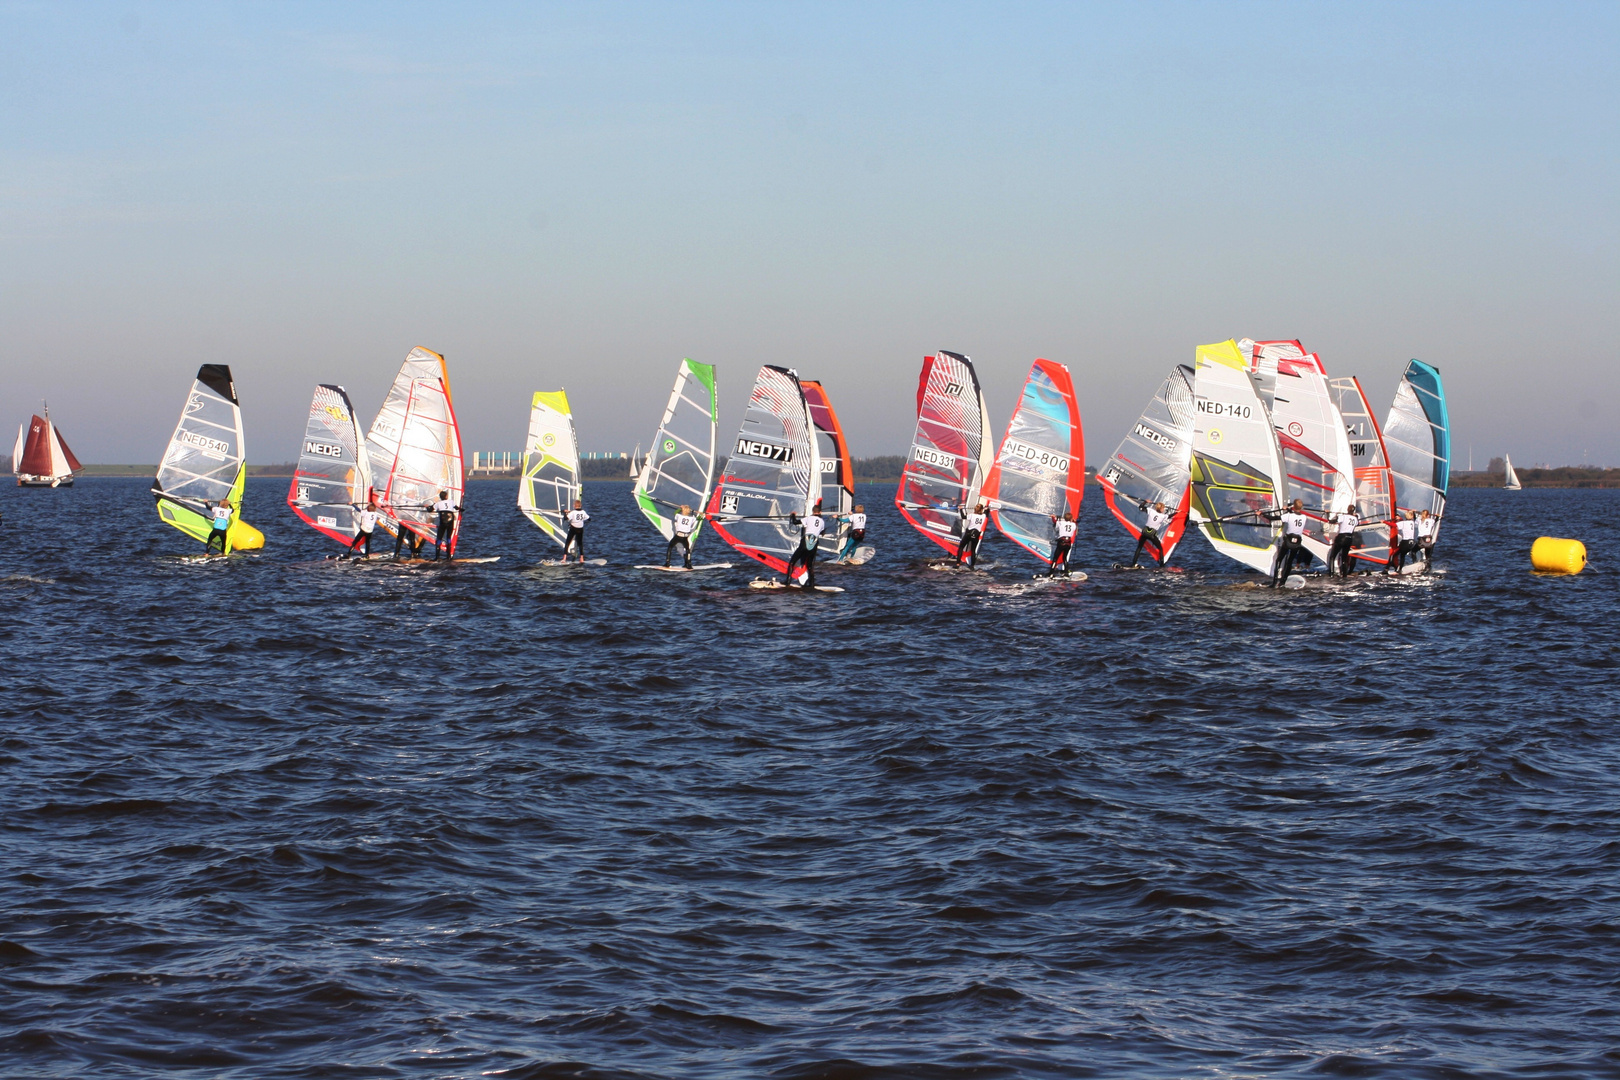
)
(1497, 467)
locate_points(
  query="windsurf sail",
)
(774, 470)
(1154, 462)
(1417, 437)
(837, 468)
(1510, 479)
(550, 481)
(1374, 487)
(1039, 472)
(333, 478)
(41, 455)
(680, 467)
(415, 447)
(1236, 468)
(205, 461)
(1312, 443)
(951, 450)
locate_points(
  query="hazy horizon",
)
(581, 196)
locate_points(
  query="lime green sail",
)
(204, 463)
(680, 469)
(550, 481)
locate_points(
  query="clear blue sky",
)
(581, 195)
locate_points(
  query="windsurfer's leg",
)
(973, 550)
(810, 568)
(1141, 542)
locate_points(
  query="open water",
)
(280, 817)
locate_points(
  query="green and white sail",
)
(550, 481)
(680, 469)
(1236, 465)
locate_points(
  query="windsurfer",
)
(1345, 522)
(857, 532)
(1064, 529)
(1152, 530)
(1424, 536)
(366, 521)
(681, 528)
(577, 517)
(1291, 543)
(810, 528)
(220, 516)
(407, 539)
(972, 532)
(1405, 541)
(447, 512)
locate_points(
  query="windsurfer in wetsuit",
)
(1158, 518)
(1423, 535)
(366, 521)
(446, 533)
(681, 528)
(577, 517)
(1292, 541)
(1063, 529)
(1345, 524)
(972, 532)
(220, 517)
(857, 532)
(810, 529)
(1405, 541)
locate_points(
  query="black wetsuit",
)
(220, 532)
(969, 546)
(1339, 554)
(805, 554)
(1150, 535)
(683, 539)
(576, 533)
(1290, 545)
(1061, 547)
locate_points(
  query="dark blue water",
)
(283, 818)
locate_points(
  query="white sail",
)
(680, 468)
(774, 470)
(1512, 482)
(415, 446)
(17, 452)
(1318, 466)
(333, 477)
(1236, 467)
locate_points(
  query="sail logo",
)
(194, 403)
(729, 502)
(1013, 450)
(214, 448)
(1296, 429)
(669, 446)
(1157, 438)
(548, 439)
(764, 451)
(953, 389)
(934, 457)
(1224, 408)
(322, 449)
(338, 413)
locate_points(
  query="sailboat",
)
(635, 462)
(1512, 481)
(680, 469)
(774, 470)
(205, 462)
(1154, 462)
(1040, 469)
(550, 480)
(41, 458)
(415, 448)
(333, 478)
(951, 450)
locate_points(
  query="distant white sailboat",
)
(635, 457)
(1512, 483)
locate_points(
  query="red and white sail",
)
(951, 450)
(41, 456)
(415, 447)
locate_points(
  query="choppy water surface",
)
(288, 818)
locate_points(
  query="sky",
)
(581, 195)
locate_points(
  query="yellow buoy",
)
(245, 537)
(1551, 555)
